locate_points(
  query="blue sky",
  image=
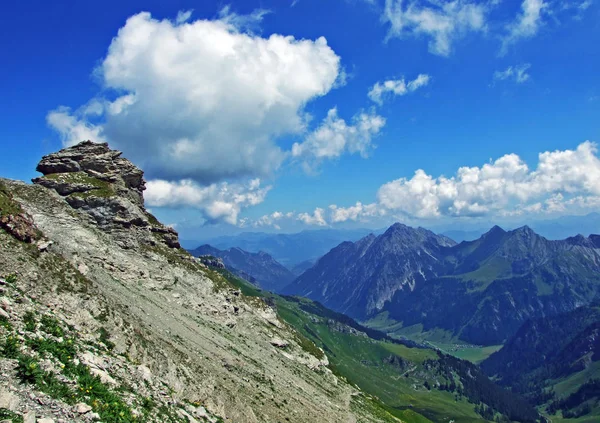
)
(281, 116)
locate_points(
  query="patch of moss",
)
(152, 219)
(100, 188)
(8, 206)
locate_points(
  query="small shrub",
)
(5, 323)
(29, 320)
(51, 326)
(12, 278)
(10, 349)
(28, 369)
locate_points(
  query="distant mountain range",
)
(259, 268)
(288, 249)
(479, 291)
(554, 361)
(556, 229)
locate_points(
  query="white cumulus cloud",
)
(396, 87)
(218, 202)
(316, 218)
(205, 99)
(335, 136)
(357, 212)
(497, 187)
(441, 22)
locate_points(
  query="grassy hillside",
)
(413, 383)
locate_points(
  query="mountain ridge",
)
(479, 291)
(267, 272)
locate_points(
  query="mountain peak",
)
(525, 231)
(496, 229)
(95, 179)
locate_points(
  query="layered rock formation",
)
(93, 178)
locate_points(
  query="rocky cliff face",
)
(360, 278)
(109, 188)
(105, 318)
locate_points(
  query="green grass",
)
(567, 386)
(99, 188)
(490, 270)
(8, 206)
(7, 415)
(472, 353)
(362, 361)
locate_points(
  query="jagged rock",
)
(97, 161)
(5, 303)
(45, 420)
(44, 245)
(279, 343)
(97, 180)
(29, 417)
(212, 261)
(4, 314)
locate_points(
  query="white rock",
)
(279, 343)
(82, 408)
(145, 373)
(8, 400)
(4, 314)
(45, 420)
(44, 245)
(5, 303)
(29, 417)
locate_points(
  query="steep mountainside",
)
(479, 291)
(290, 249)
(551, 360)
(265, 271)
(93, 285)
(414, 382)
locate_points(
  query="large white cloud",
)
(203, 99)
(441, 22)
(504, 185)
(218, 202)
(335, 137)
(394, 87)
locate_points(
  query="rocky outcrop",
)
(14, 220)
(97, 180)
